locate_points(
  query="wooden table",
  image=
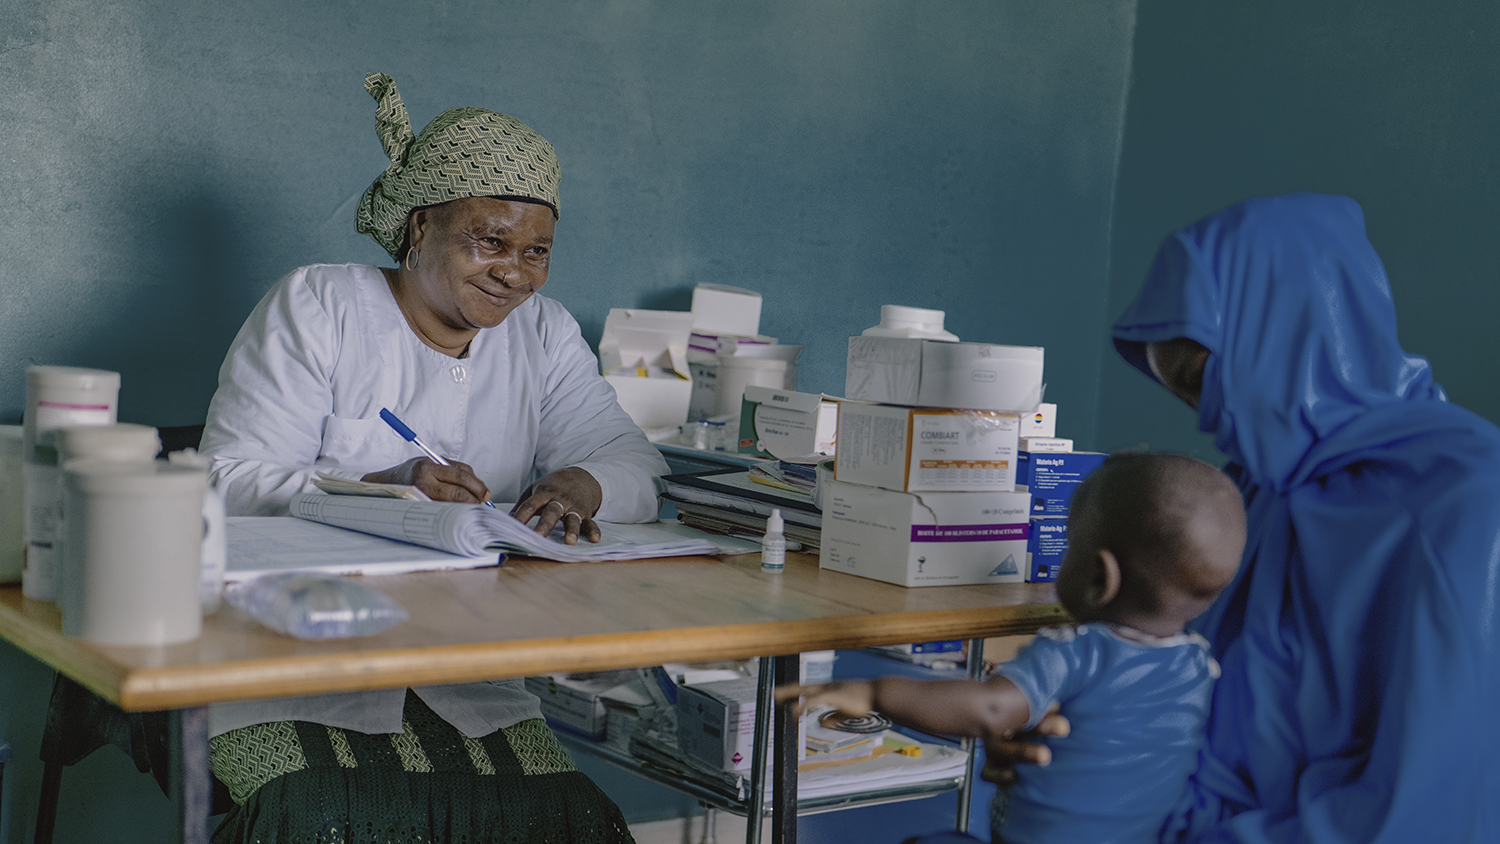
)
(525, 618)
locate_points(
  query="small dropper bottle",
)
(773, 544)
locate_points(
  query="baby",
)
(1152, 539)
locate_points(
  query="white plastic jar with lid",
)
(118, 443)
(131, 563)
(121, 442)
(56, 396)
(215, 533)
(903, 321)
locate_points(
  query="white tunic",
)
(301, 391)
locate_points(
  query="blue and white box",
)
(1045, 546)
(1051, 479)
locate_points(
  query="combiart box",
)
(926, 449)
(924, 539)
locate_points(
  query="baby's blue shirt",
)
(1137, 705)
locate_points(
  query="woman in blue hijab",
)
(1360, 640)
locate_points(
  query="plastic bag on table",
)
(315, 606)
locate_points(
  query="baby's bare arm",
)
(992, 709)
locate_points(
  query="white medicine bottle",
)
(773, 544)
(907, 322)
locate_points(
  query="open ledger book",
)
(472, 530)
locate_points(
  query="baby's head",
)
(1152, 539)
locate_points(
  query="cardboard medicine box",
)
(1045, 545)
(643, 356)
(786, 424)
(1051, 479)
(940, 373)
(925, 539)
(1041, 422)
(926, 449)
(577, 702)
(1053, 445)
(716, 723)
(721, 309)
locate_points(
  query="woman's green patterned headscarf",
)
(463, 152)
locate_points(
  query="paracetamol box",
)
(924, 539)
(1051, 479)
(926, 449)
(1045, 545)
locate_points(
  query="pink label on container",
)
(60, 405)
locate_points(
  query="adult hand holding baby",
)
(1002, 754)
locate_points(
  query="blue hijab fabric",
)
(1359, 641)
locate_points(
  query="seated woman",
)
(1357, 640)
(499, 380)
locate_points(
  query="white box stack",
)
(925, 473)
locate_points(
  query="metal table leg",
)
(191, 782)
(975, 662)
(784, 777)
(764, 701)
(774, 671)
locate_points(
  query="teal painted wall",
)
(171, 160)
(1389, 102)
(167, 160)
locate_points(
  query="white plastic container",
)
(903, 321)
(131, 565)
(56, 396)
(12, 504)
(121, 443)
(215, 536)
(763, 366)
(817, 667)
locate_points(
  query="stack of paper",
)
(472, 529)
(734, 502)
(887, 769)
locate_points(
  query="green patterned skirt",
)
(299, 783)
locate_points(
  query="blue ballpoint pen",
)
(410, 436)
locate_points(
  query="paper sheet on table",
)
(260, 545)
(472, 529)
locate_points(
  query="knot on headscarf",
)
(463, 152)
(391, 121)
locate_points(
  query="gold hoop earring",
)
(412, 258)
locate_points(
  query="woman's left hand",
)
(570, 496)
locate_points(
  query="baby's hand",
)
(852, 697)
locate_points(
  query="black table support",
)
(787, 670)
(191, 781)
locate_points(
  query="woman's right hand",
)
(1003, 754)
(454, 482)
